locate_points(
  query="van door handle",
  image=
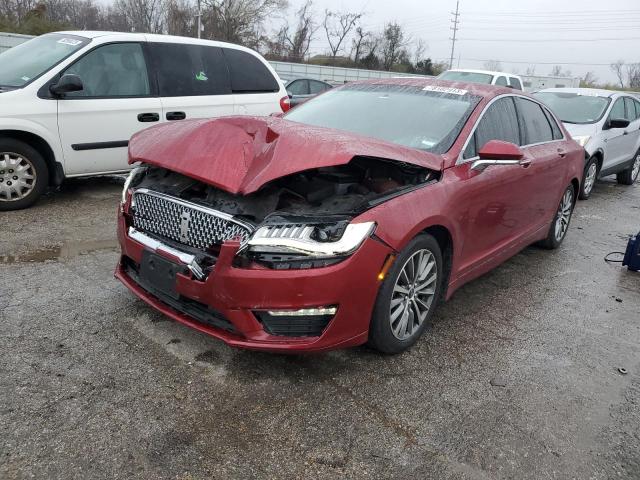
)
(176, 115)
(148, 117)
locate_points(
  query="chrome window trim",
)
(195, 206)
(460, 160)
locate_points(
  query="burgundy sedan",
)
(348, 219)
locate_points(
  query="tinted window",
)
(317, 87)
(631, 109)
(416, 117)
(617, 111)
(117, 70)
(502, 81)
(637, 104)
(515, 83)
(248, 73)
(555, 129)
(298, 87)
(21, 64)
(190, 70)
(499, 122)
(536, 126)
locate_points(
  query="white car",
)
(607, 124)
(70, 101)
(501, 79)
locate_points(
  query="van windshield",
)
(26, 62)
(472, 77)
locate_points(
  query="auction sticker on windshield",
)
(453, 91)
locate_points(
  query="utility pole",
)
(455, 23)
(199, 19)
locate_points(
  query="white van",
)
(502, 79)
(70, 101)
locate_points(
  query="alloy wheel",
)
(636, 168)
(17, 177)
(590, 178)
(413, 294)
(564, 214)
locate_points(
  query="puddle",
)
(60, 252)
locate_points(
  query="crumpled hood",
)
(240, 154)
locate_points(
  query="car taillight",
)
(285, 104)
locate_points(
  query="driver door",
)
(96, 123)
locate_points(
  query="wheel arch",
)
(56, 172)
(445, 242)
(599, 155)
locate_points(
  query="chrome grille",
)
(185, 222)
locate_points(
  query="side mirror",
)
(499, 150)
(67, 83)
(617, 123)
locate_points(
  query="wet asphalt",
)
(518, 377)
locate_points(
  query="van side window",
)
(502, 81)
(248, 73)
(190, 70)
(499, 122)
(115, 70)
(515, 83)
(537, 128)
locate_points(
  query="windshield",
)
(26, 62)
(427, 119)
(466, 77)
(573, 107)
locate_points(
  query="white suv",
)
(70, 101)
(501, 79)
(607, 124)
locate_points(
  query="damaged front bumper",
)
(257, 308)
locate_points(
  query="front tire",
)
(24, 175)
(560, 225)
(408, 296)
(630, 175)
(589, 178)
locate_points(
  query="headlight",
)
(133, 176)
(311, 240)
(582, 139)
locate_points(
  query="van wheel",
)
(589, 178)
(24, 175)
(408, 296)
(630, 175)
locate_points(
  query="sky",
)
(580, 35)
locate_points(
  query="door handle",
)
(176, 115)
(562, 153)
(525, 162)
(148, 117)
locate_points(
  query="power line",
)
(516, 40)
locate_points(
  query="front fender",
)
(8, 125)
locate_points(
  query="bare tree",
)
(337, 26)
(419, 50)
(181, 18)
(142, 15)
(493, 65)
(531, 70)
(589, 80)
(358, 43)
(618, 69)
(394, 42)
(633, 75)
(300, 41)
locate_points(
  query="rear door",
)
(118, 100)
(193, 81)
(498, 212)
(543, 180)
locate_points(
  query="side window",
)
(248, 73)
(115, 70)
(499, 122)
(316, 87)
(185, 70)
(515, 83)
(637, 104)
(298, 87)
(631, 109)
(555, 129)
(534, 121)
(502, 81)
(617, 111)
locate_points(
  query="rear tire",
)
(630, 175)
(589, 178)
(24, 175)
(408, 296)
(561, 220)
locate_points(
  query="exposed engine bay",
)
(344, 190)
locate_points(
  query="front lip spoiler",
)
(156, 246)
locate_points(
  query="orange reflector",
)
(385, 268)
